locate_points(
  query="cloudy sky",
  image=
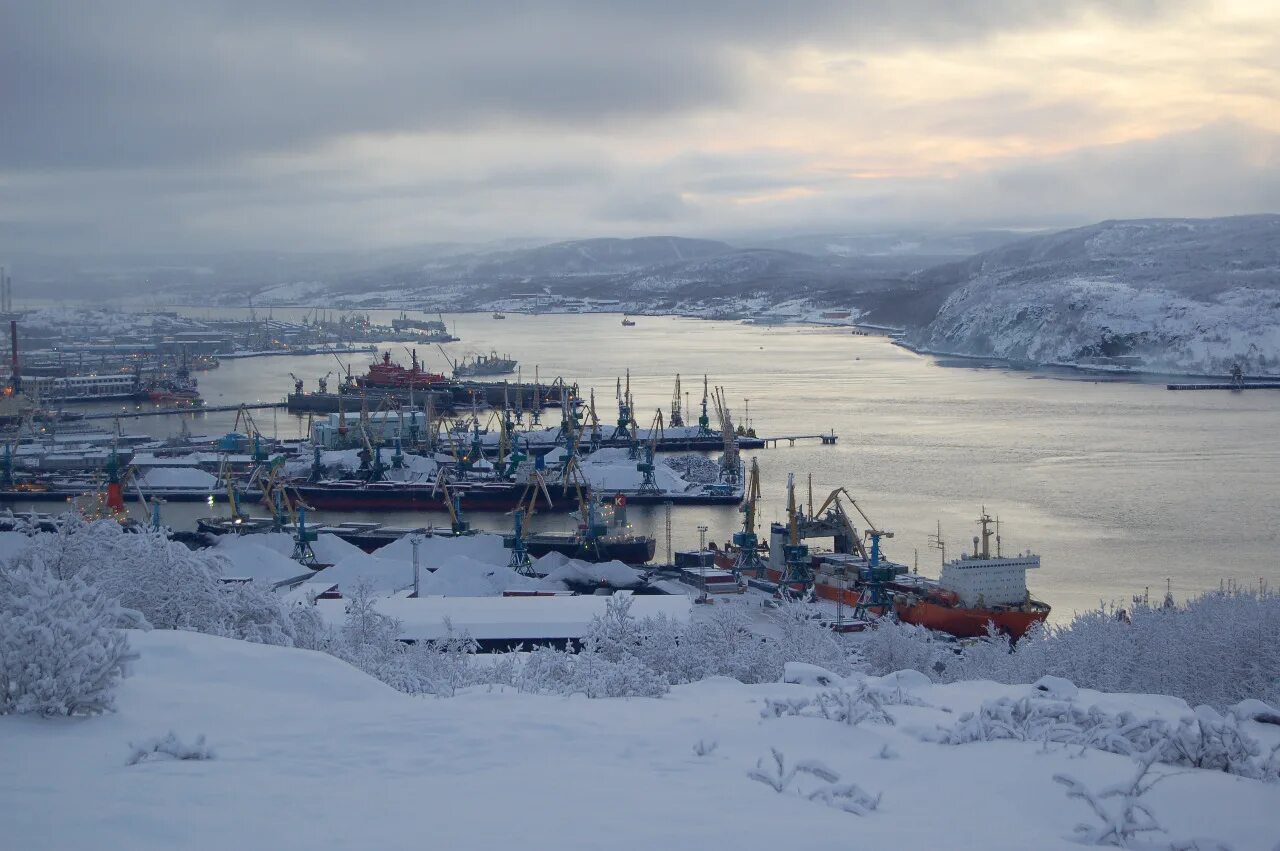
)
(217, 125)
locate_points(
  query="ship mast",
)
(985, 522)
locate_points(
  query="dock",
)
(188, 409)
(828, 439)
(1227, 385)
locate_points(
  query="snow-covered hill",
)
(308, 753)
(1193, 295)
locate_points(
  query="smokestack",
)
(13, 337)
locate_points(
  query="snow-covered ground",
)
(309, 753)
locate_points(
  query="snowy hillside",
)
(301, 750)
(1194, 295)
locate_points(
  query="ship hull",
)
(823, 591)
(969, 623)
(640, 498)
(423, 498)
(627, 551)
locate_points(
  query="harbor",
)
(881, 401)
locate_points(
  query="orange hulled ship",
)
(973, 590)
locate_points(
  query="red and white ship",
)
(388, 373)
(976, 589)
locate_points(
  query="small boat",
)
(499, 315)
(627, 323)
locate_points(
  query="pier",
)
(828, 439)
(188, 409)
(1227, 385)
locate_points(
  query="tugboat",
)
(972, 591)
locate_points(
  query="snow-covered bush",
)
(1217, 649)
(597, 676)
(158, 582)
(168, 747)
(445, 665)
(1119, 809)
(60, 653)
(1208, 740)
(255, 614)
(842, 705)
(827, 789)
(803, 638)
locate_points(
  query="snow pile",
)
(329, 548)
(179, 477)
(382, 575)
(247, 558)
(435, 549)
(460, 576)
(695, 468)
(610, 469)
(565, 572)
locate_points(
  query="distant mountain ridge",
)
(1181, 294)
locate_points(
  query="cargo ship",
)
(482, 495)
(427, 330)
(490, 364)
(602, 535)
(973, 590)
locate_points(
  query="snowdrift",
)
(281, 722)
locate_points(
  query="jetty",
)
(828, 439)
(185, 409)
(1227, 385)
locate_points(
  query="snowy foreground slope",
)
(1195, 295)
(309, 753)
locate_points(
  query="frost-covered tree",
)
(255, 614)
(894, 646)
(1217, 649)
(60, 653)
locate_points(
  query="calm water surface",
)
(1118, 486)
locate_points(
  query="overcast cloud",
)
(293, 126)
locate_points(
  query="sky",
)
(300, 126)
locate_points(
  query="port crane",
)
(523, 514)
(748, 556)
(731, 461)
(648, 482)
(676, 420)
(453, 503)
(704, 421)
(797, 572)
(625, 429)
